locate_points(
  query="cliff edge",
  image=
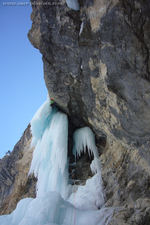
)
(97, 69)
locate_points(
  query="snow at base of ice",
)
(50, 208)
(73, 4)
(89, 196)
(57, 202)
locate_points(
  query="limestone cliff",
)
(14, 181)
(97, 68)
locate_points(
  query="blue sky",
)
(22, 88)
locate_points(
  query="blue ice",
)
(57, 202)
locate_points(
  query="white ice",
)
(81, 28)
(39, 121)
(91, 196)
(84, 139)
(73, 4)
(55, 204)
(49, 163)
(51, 209)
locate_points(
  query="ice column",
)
(50, 137)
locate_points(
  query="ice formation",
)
(73, 4)
(91, 195)
(56, 202)
(51, 209)
(84, 139)
(49, 163)
(81, 28)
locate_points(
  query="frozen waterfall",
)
(49, 163)
(57, 201)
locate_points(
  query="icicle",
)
(84, 138)
(73, 4)
(81, 28)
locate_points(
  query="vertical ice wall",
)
(50, 137)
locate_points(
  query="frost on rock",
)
(73, 4)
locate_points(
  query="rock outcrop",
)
(99, 74)
(97, 68)
(14, 181)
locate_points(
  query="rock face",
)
(14, 181)
(97, 68)
(99, 74)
